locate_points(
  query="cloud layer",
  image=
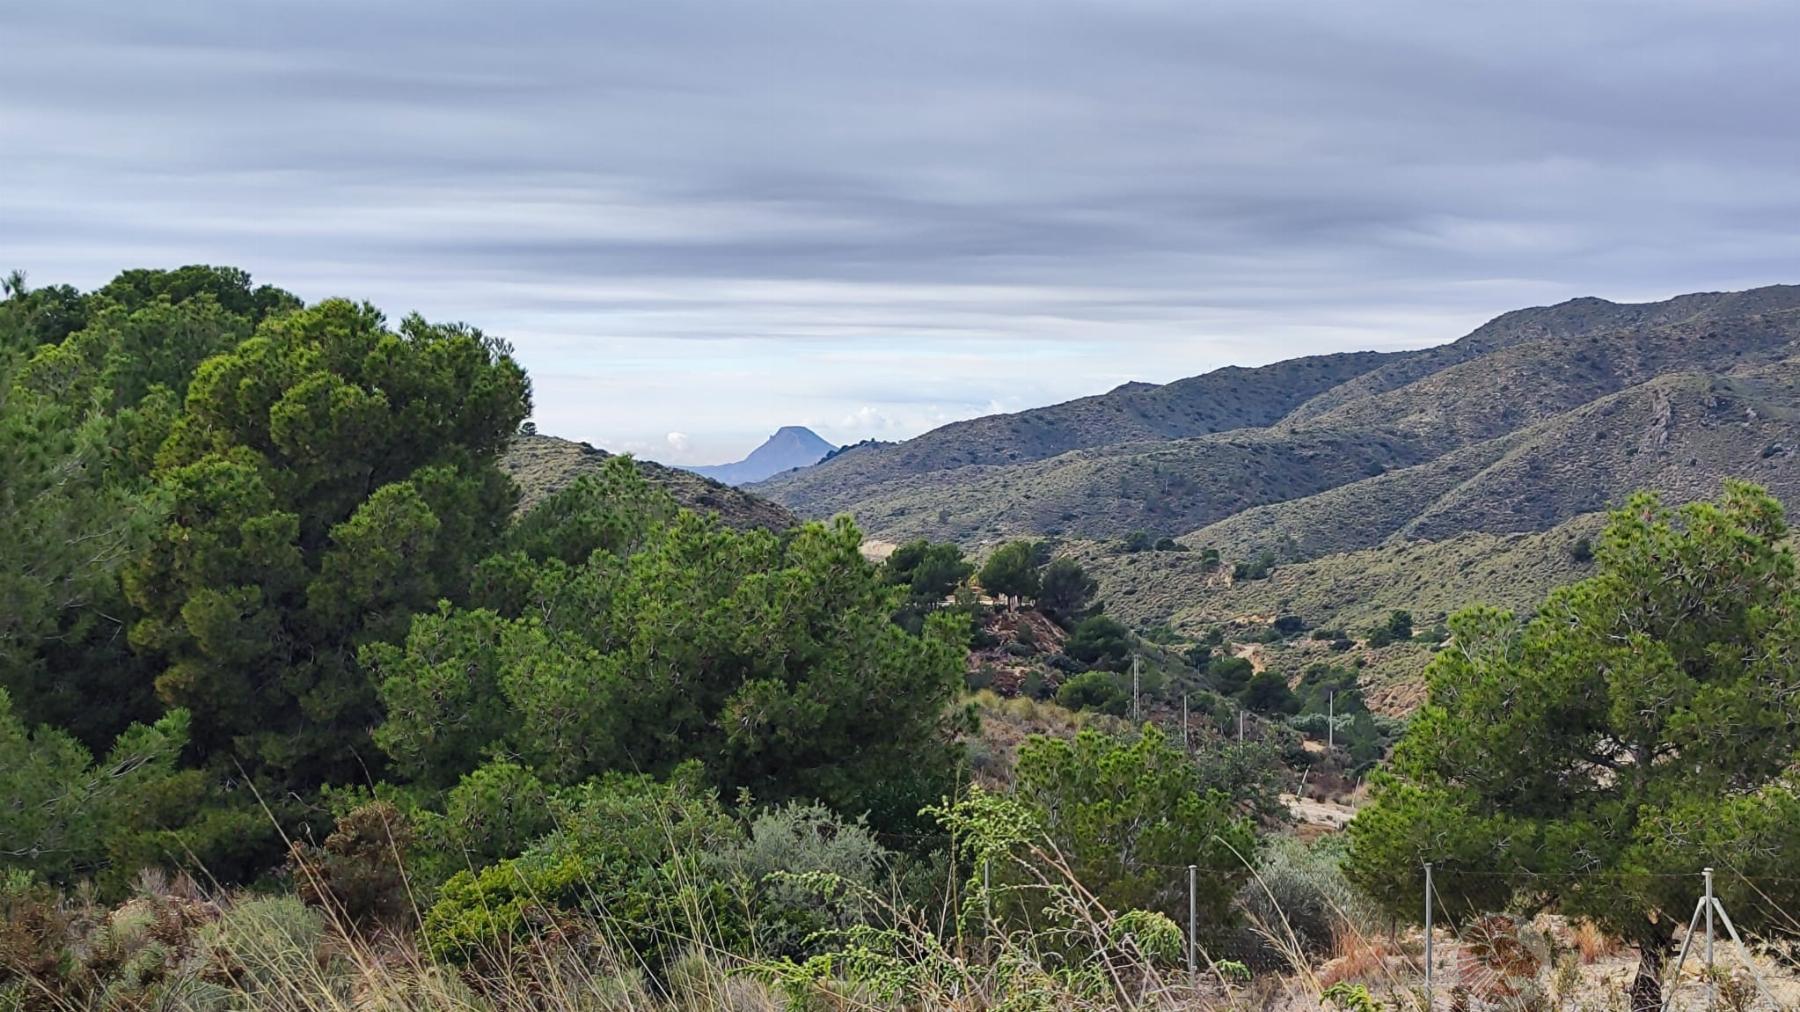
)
(718, 218)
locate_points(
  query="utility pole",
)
(1184, 721)
(1136, 710)
(1330, 721)
(1240, 725)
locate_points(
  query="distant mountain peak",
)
(792, 446)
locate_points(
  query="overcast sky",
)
(700, 221)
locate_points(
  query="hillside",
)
(1336, 435)
(1219, 401)
(543, 464)
(1347, 590)
(1167, 487)
(1568, 319)
(1676, 434)
(792, 446)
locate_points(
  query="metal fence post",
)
(1428, 994)
(987, 894)
(1192, 924)
(1712, 986)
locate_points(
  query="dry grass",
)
(1359, 958)
(1593, 944)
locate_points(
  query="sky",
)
(698, 222)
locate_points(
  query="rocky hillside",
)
(1219, 401)
(1535, 417)
(543, 464)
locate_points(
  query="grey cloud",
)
(935, 192)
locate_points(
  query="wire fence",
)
(1697, 954)
(1528, 956)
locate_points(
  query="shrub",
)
(1290, 625)
(627, 846)
(1123, 812)
(1302, 888)
(1268, 692)
(1258, 568)
(1149, 934)
(494, 813)
(803, 871)
(359, 872)
(1100, 642)
(1034, 685)
(1400, 624)
(1162, 635)
(1094, 690)
(272, 948)
(1230, 674)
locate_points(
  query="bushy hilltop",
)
(543, 465)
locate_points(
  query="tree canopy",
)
(1129, 813)
(326, 479)
(772, 660)
(1066, 591)
(1640, 726)
(1012, 571)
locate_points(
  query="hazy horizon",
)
(698, 222)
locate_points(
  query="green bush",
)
(1123, 812)
(494, 813)
(1268, 692)
(359, 871)
(1095, 690)
(1230, 674)
(1258, 568)
(804, 875)
(1100, 642)
(273, 948)
(628, 849)
(1289, 625)
(1302, 888)
(1150, 934)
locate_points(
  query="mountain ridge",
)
(1349, 418)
